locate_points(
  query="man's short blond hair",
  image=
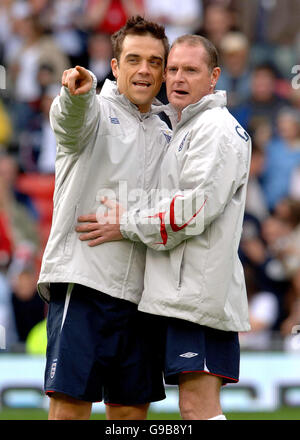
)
(198, 40)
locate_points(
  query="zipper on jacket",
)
(180, 269)
(141, 122)
(179, 277)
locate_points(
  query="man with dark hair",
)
(138, 26)
(97, 344)
(193, 276)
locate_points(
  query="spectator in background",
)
(6, 254)
(218, 20)
(268, 21)
(65, 20)
(47, 153)
(288, 210)
(293, 318)
(7, 318)
(260, 130)
(282, 157)
(179, 17)
(45, 77)
(108, 16)
(271, 27)
(6, 244)
(17, 221)
(37, 48)
(37, 151)
(280, 232)
(5, 126)
(18, 239)
(235, 75)
(263, 314)
(264, 101)
(295, 97)
(256, 205)
(9, 173)
(100, 54)
(265, 272)
(27, 305)
(39, 7)
(10, 12)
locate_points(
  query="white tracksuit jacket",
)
(193, 271)
(105, 146)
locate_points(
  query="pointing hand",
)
(77, 80)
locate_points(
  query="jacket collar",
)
(216, 99)
(110, 91)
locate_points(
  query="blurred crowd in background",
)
(258, 43)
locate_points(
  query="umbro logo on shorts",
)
(189, 354)
(53, 368)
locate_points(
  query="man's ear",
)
(215, 76)
(114, 67)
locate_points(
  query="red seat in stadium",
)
(36, 185)
(40, 188)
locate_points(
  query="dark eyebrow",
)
(134, 55)
(152, 57)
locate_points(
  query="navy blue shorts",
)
(99, 348)
(190, 347)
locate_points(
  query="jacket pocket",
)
(177, 262)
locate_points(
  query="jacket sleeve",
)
(74, 118)
(212, 170)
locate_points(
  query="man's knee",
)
(63, 407)
(122, 412)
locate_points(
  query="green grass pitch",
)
(39, 414)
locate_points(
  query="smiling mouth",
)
(141, 84)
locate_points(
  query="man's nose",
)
(179, 76)
(144, 67)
